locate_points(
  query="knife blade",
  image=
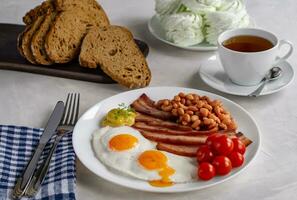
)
(48, 132)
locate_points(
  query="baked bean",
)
(226, 121)
(200, 104)
(180, 111)
(214, 117)
(181, 94)
(196, 124)
(196, 96)
(182, 106)
(206, 98)
(195, 101)
(188, 102)
(175, 105)
(232, 126)
(177, 98)
(174, 112)
(208, 121)
(208, 107)
(184, 123)
(183, 101)
(216, 103)
(166, 102)
(222, 116)
(194, 118)
(160, 102)
(204, 112)
(190, 97)
(217, 110)
(166, 108)
(223, 126)
(186, 117)
(190, 112)
(212, 125)
(193, 108)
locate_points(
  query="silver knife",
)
(49, 131)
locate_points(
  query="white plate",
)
(157, 31)
(90, 122)
(212, 73)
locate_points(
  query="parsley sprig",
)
(123, 106)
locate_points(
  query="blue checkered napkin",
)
(17, 144)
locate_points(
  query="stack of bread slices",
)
(60, 31)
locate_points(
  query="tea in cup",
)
(247, 54)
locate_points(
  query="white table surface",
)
(27, 99)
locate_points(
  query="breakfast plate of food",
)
(166, 139)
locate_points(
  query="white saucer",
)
(157, 31)
(212, 73)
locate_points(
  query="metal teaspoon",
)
(274, 73)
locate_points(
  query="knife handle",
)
(24, 180)
(40, 174)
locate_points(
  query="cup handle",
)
(287, 55)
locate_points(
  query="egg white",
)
(123, 161)
(127, 163)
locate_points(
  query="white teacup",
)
(249, 68)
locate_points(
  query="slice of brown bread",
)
(39, 10)
(19, 43)
(90, 7)
(63, 41)
(38, 40)
(114, 50)
(27, 37)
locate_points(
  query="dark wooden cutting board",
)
(10, 59)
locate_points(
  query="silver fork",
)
(65, 127)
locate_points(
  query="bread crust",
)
(38, 40)
(39, 10)
(26, 38)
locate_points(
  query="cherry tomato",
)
(210, 139)
(204, 154)
(223, 145)
(206, 171)
(222, 165)
(238, 146)
(236, 158)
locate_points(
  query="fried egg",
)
(125, 150)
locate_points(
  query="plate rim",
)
(176, 190)
(214, 86)
(191, 48)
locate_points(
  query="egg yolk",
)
(156, 160)
(122, 142)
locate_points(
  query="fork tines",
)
(71, 109)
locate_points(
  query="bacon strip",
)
(189, 151)
(145, 105)
(147, 100)
(159, 122)
(168, 131)
(174, 139)
(246, 141)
